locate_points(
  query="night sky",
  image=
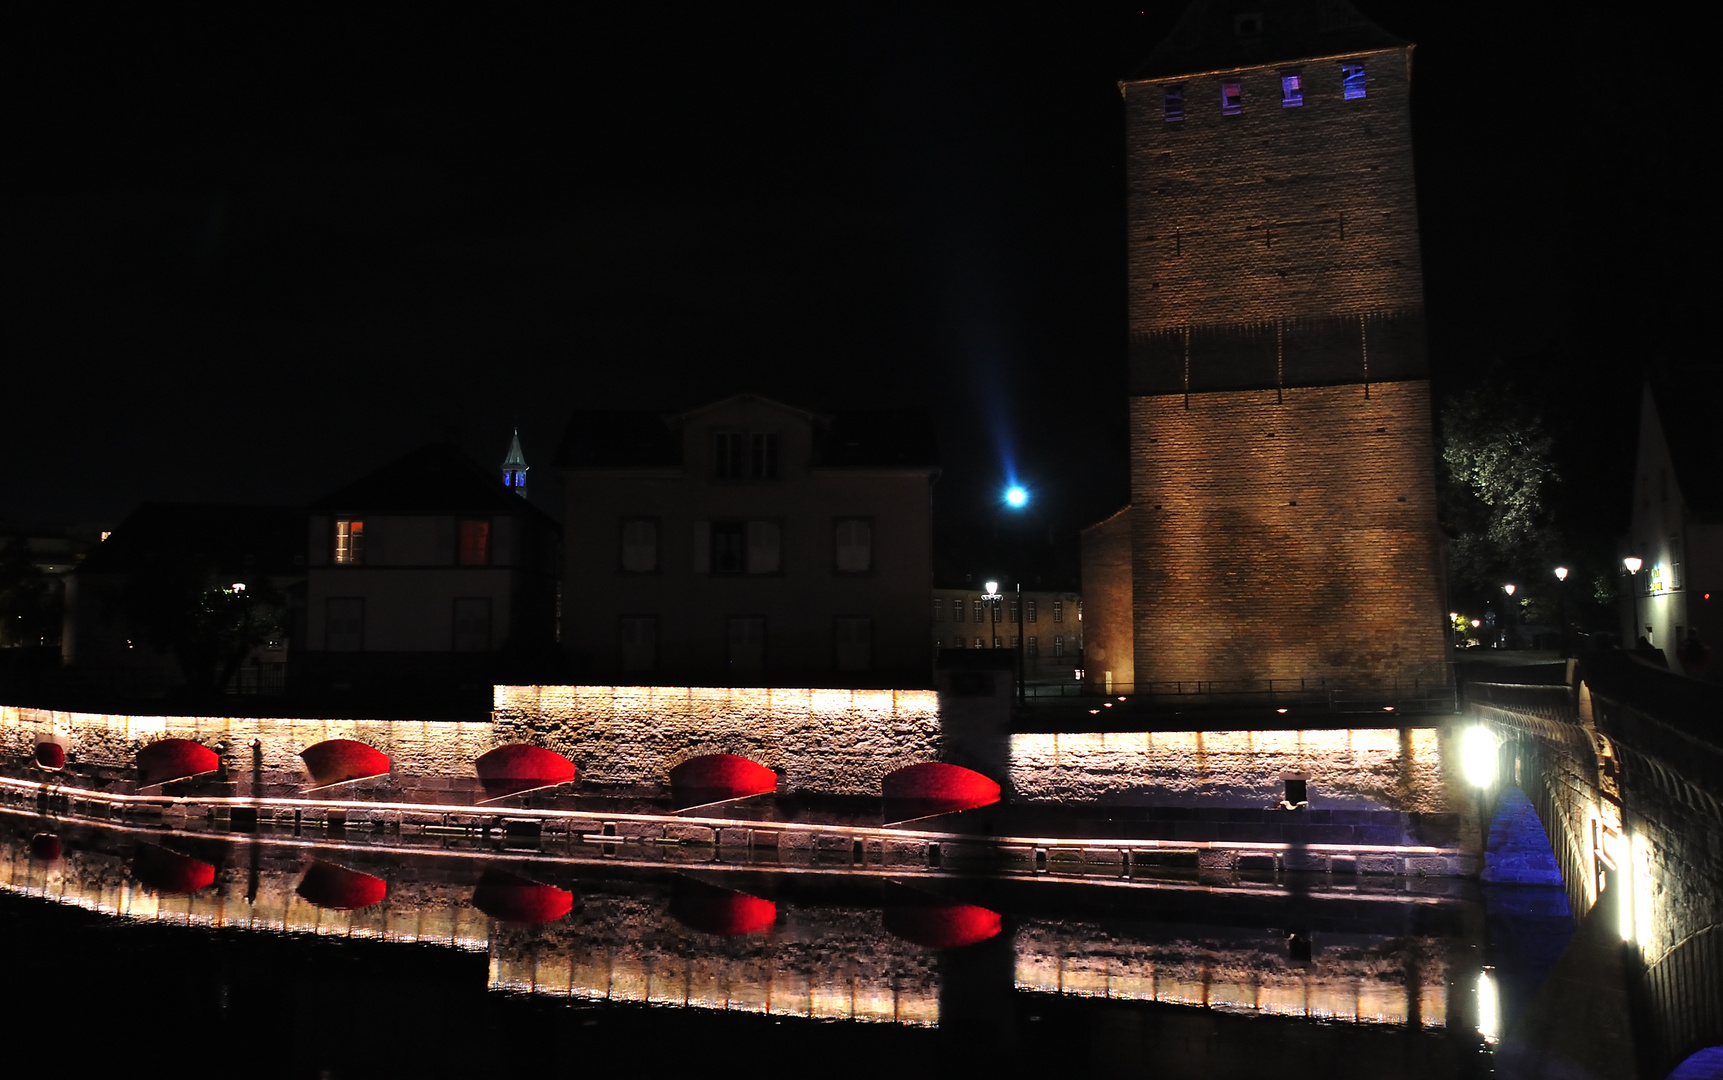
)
(254, 257)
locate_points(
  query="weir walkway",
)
(1624, 764)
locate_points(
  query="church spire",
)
(515, 467)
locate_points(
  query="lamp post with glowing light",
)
(1513, 635)
(1016, 497)
(1633, 563)
(1561, 609)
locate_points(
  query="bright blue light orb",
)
(1016, 497)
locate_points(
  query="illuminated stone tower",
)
(1282, 477)
(515, 467)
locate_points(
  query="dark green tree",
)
(1496, 473)
(208, 620)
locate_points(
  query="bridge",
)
(1624, 765)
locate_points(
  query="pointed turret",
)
(515, 467)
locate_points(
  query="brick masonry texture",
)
(1283, 489)
(1286, 534)
(1277, 212)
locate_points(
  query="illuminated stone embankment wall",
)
(839, 741)
(108, 743)
(627, 739)
(1411, 769)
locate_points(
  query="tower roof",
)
(1219, 35)
(515, 460)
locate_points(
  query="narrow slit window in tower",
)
(1231, 98)
(1352, 75)
(1291, 90)
(1173, 104)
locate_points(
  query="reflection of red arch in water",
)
(341, 761)
(340, 889)
(716, 778)
(45, 847)
(169, 872)
(935, 787)
(167, 760)
(518, 768)
(511, 898)
(725, 912)
(942, 924)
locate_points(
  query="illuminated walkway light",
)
(1016, 497)
(1478, 756)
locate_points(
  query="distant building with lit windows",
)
(428, 568)
(748, 542)
(1051, 628)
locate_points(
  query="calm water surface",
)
(276, 955)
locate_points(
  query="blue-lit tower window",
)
(1291, 90)
(1231, 98)
(1352, 75)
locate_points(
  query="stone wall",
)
(1408, 769)
(630, 737)
(1109, 660)
(1286, 535)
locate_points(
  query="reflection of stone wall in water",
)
(1380, 768)
(838, 741)
(103, 880)
(1357, 977)
(829, 963)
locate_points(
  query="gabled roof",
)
(266, 539)
(1208, 36)
(752, 399)
(434, 479)
(1687, 408)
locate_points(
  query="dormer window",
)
(1291, 90)
(744, 455)
(1231, 98)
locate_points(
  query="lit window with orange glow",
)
(349, 542)
(475, 548)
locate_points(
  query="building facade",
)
(1673, 600)
(427, 569)
(748, 542)
(1044, 627)
(1283, 507)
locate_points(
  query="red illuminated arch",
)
(716, 778)
(518, 768)
(512, 898)
(725, 912)
(339, 889)
(50, 756)
(169, 872)
(935, 787)
(342, 761)
(168, 760)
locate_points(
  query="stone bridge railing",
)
(1625, 766)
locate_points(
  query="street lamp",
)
(1507, 611)
(993, 598)
(1561, 609)
(1633, 563)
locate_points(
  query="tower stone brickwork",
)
(1283, 506)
